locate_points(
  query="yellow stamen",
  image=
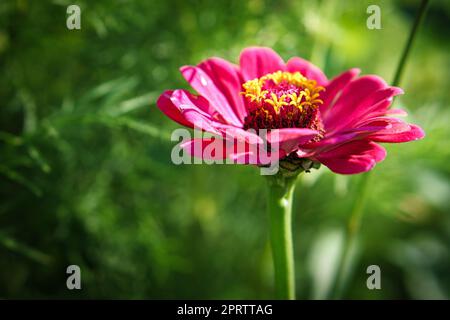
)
(307, 96)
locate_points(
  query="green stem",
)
(353, 226)
(407, 49)
(279, 206)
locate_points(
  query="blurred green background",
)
(86, 176)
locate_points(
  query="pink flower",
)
(336, 122)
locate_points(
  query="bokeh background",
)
(86, 176)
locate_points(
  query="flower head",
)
(336, 122)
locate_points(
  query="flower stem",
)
(352, 229)
(279, 206)
(412, 35)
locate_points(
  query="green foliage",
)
(86, 176)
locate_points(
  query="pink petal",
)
(199, 121)
(353, 157)
(380, 129)
(256, 62)
(378, 101)
(304, 153)
(366, 130)
(196, 148)
(239, 134)
(388, 123)
(227, 79)
(380, 95)
(350, 99)
(203, 84)
(195, 111)
(165, 104)
(307, 69)
(290, 138)
(205, 148)
(396, 112)
(252, 157)
(340, 138)
(255, 153)
(183, 100)
(334, 88)
(389, 112)
(413, 133)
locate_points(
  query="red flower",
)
(336, 122)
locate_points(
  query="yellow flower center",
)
(282, 100)
(281, 89)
